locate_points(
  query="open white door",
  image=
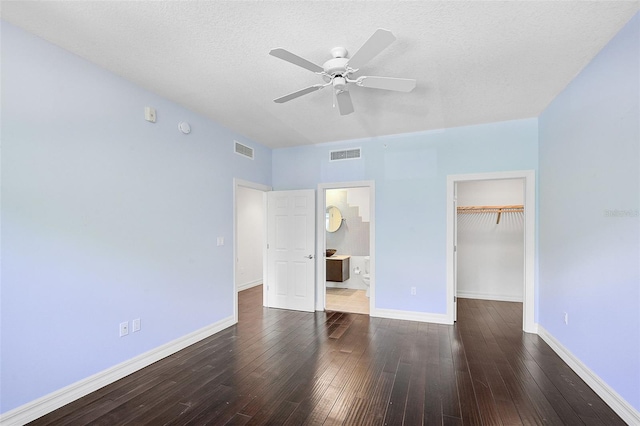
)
(290, 250)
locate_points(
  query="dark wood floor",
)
(292, 368)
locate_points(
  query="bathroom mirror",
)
(334, 219)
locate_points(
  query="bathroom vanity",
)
(338, 268)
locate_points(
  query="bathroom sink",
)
(330, 252)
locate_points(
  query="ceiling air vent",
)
(244, 150)
(345, 154)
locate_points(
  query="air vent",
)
(345, 154)
(244, 150)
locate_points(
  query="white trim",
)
(528, 317)
(248, 285)
(264, 188)
(321, 239)
(411, 316)
(48, 403)
(485, 296)
(617, 403)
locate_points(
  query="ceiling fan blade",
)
(343, 99)
(387, 83)
(298, 93)
(379, 41)
(295, 59)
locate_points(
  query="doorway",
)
(321, 240)
(490, 240)
(528, 179)
(346, 223)
(249, 253)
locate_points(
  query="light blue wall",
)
(590, 254)
(105, 218)
(410, 173)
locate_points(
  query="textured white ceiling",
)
(475, 61)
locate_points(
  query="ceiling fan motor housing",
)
(336, 66)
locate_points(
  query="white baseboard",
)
(410, 316)
(483, 296)
(617, 403)
(249, 285)
(48, 403)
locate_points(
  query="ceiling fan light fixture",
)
(339, 83)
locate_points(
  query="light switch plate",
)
(150, 114)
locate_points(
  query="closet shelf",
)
(516, 208)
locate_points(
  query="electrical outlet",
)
(124, 328)
(136, 325)
(413, 291)
(566, 318)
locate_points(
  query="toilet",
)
(366, 277)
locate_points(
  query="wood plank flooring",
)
(291, 368)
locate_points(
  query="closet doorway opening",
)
(346, 236)
(490, 238)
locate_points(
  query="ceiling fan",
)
(337, 71)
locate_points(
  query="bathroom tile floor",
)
(347, 300)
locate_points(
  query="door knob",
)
(309, 257)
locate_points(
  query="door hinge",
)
(455, 248)
(455, 299)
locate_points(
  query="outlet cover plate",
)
(124, 328)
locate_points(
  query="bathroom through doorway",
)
(346, 244)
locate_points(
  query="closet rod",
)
(516, 208)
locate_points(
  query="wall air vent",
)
(345, 154)
(243, 150)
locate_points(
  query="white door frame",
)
(321, 239)
(528, 317)
(264, 188)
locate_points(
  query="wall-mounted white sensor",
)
(184, 127)
(150, 114)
